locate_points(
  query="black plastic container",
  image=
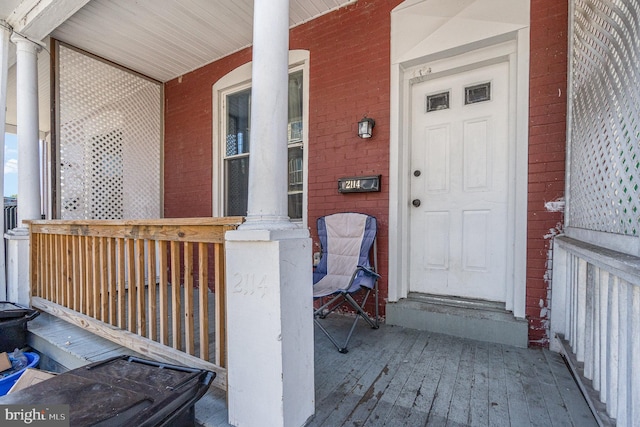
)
(122, 391)
(13, 325)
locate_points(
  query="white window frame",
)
(235, 81)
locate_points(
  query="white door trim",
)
(514, 47)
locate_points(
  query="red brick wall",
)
(547, 150)
(349, 77)
(188, 137)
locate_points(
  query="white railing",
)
(596, 311)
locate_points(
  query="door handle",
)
(416, 202)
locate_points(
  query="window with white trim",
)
(236, 130)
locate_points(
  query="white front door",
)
(459, 184)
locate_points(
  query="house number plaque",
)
(359, 184)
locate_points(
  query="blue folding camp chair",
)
(344, 269)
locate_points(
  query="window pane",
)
(237, 179)
(238, 111)
(295, 107)
(238, 108)
(477, 93)
(295, 185)
(295, 206)
(439, 101)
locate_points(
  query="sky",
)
(10, 164)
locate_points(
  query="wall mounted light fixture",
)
(365, 127)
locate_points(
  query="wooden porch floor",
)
(401, 377)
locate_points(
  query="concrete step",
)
(487, 321)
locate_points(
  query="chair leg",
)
(361, 312)
(342, 350)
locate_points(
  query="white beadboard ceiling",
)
(161, 39)
(164, 39)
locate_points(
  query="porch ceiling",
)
(161, 39)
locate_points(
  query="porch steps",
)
(63, 346)
(466, 318)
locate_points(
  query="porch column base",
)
(18, 283)
(269, 328)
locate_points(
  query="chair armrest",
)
(368, 271)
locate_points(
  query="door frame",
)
(511, 47)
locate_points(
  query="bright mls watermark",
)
(34, 415)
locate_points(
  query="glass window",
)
(237, 152)
(477, 93)
(439, 101)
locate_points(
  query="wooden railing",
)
(595, 319)
(143, 284)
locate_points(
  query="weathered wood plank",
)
(479, 397)
(142, 345)
(416, 397)
(498, 401)
(392, 396)
(82, 274)
(104, 278)
(122, 302)
(515, 392)
(141, 323)
(36, 225)
(220, 304)
(89, 276)
(208, 230)
(67, 272)
(459, 409)
(112, 280)
(541, 374)
(538, 412)
(446, 382)
(162, 293)
(77, 278)
(203, 301)
(189, 338)
(36, 271)
(95, 283)
(175, 296)
(151, 275)
(131, 280)
(574, 402)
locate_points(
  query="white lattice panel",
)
(605, 132)
(109, 140)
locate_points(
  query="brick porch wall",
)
(349, 77)
(547, 152)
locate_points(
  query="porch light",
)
(365, 127)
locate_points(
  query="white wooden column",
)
(269, 261)
(18, 287)
(4, 69)
(28, 131)
(267, 201)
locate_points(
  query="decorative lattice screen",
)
(605, 119)
(109, 140)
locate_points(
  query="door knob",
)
(416, 202)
